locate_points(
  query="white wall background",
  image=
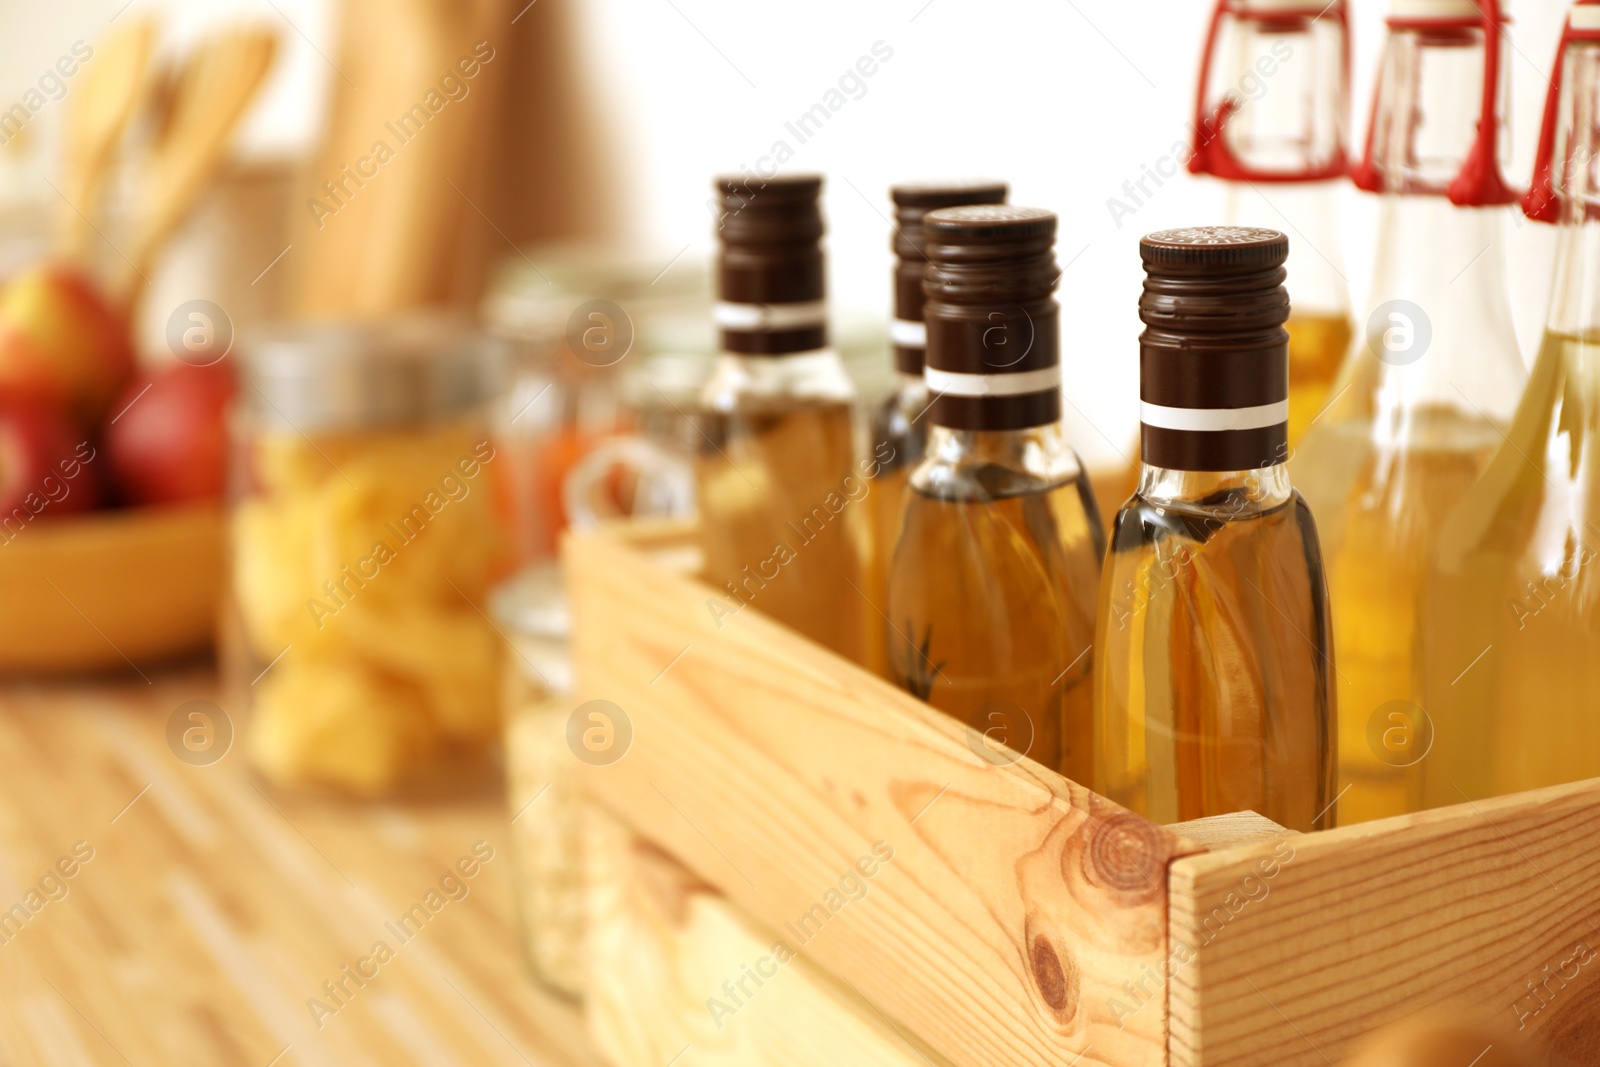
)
(1067, 99)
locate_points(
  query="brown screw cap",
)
(912, 202)
(770, 271)
(1214, 355)
(993, 358)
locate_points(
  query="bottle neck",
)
(1227, 494)
(1575, 292)
(909, 338)
(1437, 336)
(993, 355)
(1438, 331)
(913, 202)
(994, 367)
(1572, 330)
(907, 332)
(1575, 295)
(1309, 212)
(1437, 127)
(770, 277)
(1274, 96)
(1214, 354)
(756, 327)
(1439, 256)
(803, 377)
(1287, 84)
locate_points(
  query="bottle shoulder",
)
(899, 425)
(991, 464)
(1145, 524)
(750, 381)
(1532, 503)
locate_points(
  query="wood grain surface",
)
(680, 975)
(1302, 943)
(209, 913)
(1016, 904)
(1221, 831)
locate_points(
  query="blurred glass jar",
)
(645, 473)
(365, 536)
(545, 807)
(602, 343)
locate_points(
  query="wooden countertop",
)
(212, 911)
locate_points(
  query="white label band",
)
(1255, 418)
(909, 334)
(948, 383)
(770, 316)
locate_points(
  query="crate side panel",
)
(679, 973)
(998, 913)
(1285, 951)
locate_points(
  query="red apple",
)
(47, 467)
(62, 342)
(168, 441)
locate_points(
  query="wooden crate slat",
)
(661, 942)
(1328, 935)
(1017, 908)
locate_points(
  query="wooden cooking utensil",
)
(413, 235)
(104, 97)
(211, 93)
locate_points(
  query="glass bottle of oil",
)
(1271, 121)
(899, 428)
(992, 585)
(1425, 394)
(1214, 676)
(1513, 619)
(779, 477)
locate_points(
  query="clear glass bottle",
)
(993, 581)
(1426, 393)
(1514, 598)
(542, 790)
(899, 434)
(780, 477)
(1214, 677)
(365, 535)
(1271, 120)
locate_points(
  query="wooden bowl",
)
(110, 589)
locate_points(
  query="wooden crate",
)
(1003, 916)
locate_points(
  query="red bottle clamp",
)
(1211, 153)
(1478, 183)
(1542, 202)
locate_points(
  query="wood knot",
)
(1056, 977)
(1127, 855)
